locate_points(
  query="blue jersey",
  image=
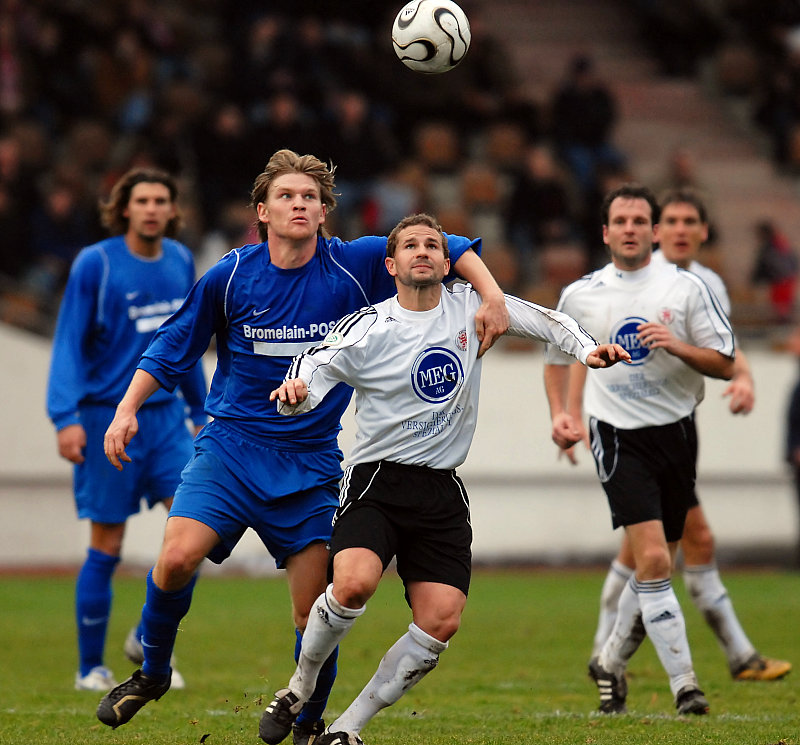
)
(113, 303)
(262, 317)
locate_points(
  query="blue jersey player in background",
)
(263, 303)
(119, 291)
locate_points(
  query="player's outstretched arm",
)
(124, 425)
(606, 355)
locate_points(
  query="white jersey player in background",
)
(682, 230)
(413, 363)
(643, 435)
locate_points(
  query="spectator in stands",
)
(538, 211)
(225, 159)
(364, 149)
(776, 265)
(59, 229)
(583, 117)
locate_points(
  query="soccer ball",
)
(431, 36)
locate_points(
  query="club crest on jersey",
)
(626, 335)
(461, 340)
(436, 375)
(334, 339)
(666, 316)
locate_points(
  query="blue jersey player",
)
(119, 292)
(264, 303)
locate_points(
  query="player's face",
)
(630, 232)
(419, 259)
(681, 232)
(294, 209)
(149, 210)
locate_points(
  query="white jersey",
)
(656, 388)
(709, 276)
(417, 375)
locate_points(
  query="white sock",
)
(705, 587)
(666, 627)
(409, 660)
(627, 633)
(328, 624)
(616, 579)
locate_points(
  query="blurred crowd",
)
(753, 50)
(209, 89)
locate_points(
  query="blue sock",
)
(93, 606)
(161, 616)
(315, 706)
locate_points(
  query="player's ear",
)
(324, 214)
(262, 212)
(390, 267)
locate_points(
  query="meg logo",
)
(625, 334)
(436, 375)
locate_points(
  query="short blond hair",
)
(288, 161)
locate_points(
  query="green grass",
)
(515, 672)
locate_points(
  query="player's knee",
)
(447, 628)
(442, 628)
(352, 590)
(653, 563)
(176, 565)
(698, 546)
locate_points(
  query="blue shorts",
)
(288, 497)
(158, 452)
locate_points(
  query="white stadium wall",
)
(527, 504)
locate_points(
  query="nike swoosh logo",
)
(149, 646)
(131, 295)
(86, 621)
(259, 312)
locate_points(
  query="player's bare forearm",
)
(706, 361)
(120, 432)
(124, 426)
(556, 381)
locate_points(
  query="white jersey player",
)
(413, 363)
(642, 429)
(416, 373)
(682, 230)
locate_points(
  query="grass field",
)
(515, 673)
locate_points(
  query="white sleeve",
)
(534, 321)
(336, 360)
(707, 324)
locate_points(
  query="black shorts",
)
(647, 473)
(419, 515)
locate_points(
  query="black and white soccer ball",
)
(431, 36)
